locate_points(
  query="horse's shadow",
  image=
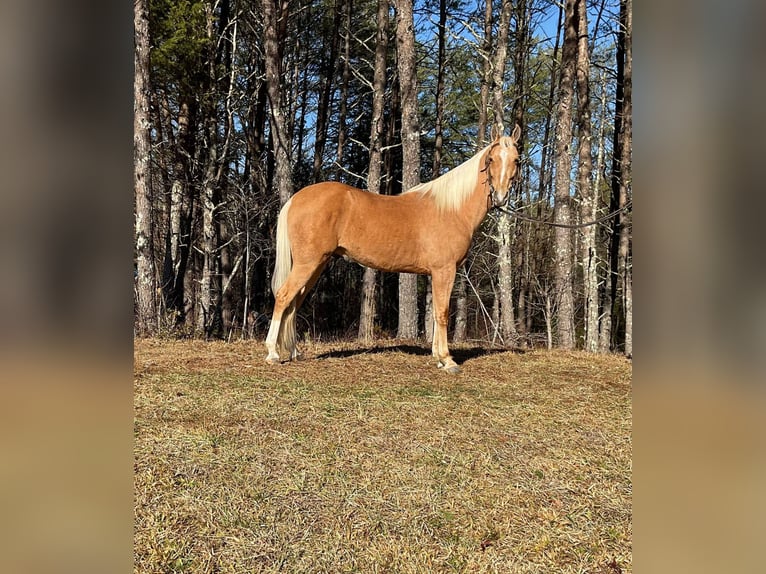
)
(460, 355)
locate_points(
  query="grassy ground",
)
(373, 460)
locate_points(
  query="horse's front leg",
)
(442, 281)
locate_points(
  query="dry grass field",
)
(372, 460)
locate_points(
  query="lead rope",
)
(517, 215)
(514, 213)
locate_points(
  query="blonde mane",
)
(449, 191)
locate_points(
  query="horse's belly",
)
(385, 259)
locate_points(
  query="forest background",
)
(240, 104)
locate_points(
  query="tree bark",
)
(486, 76)
(300, 99)
(562, 211)
(505, 280)
(588, 203)
(345, 78)
(504, 236)
(598, 264)
(498, 65)
(369, 281)
(625, 266)
(391, 152)
(275, 14)
(179, 210)
(209, 303)
(406, 62)
(520, 57)
(329, 67)
(461, 304)
(541, 233)
(619, 242)
(145, 281)
(441, 63)
(544, 159)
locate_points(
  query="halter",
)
(488, 182)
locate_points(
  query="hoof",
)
(452, 369)
(272, 360)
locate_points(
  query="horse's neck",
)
(477, 204)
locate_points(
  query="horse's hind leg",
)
(272, 338)
(287, 300)
(296, 305)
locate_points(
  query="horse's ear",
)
(496, 131)
(516, 134)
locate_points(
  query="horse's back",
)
(328, 200)
(333, 201)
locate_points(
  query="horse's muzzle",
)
(499, 198)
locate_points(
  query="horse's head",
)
(500, 164)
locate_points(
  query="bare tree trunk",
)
(220, 37)
(177, 242)
(499, 61)
(258, 127)
(229, 266)
(505, 279)
(438, 124)
(548, 325)
(461, 307)
(390, 152)
(406, 62)
(562, 211)
(588, 198)
(520, 57)
(619, 244)
(629, 310)
(495, 314)
(300, 99)
(145, 290)
(208, 304)
(208, 301)
(544, 177)
(625, 271)
(461, 304)
(504, 237)
(369, 281)
(593, 337)
(486, 76)
(274, 22)
(345, 78)
(539, 233)
(329, 68)
(521, 317)
(428, 320)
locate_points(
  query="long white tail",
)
(284, 259)
(284, 262)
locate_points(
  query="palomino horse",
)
(427, 230)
